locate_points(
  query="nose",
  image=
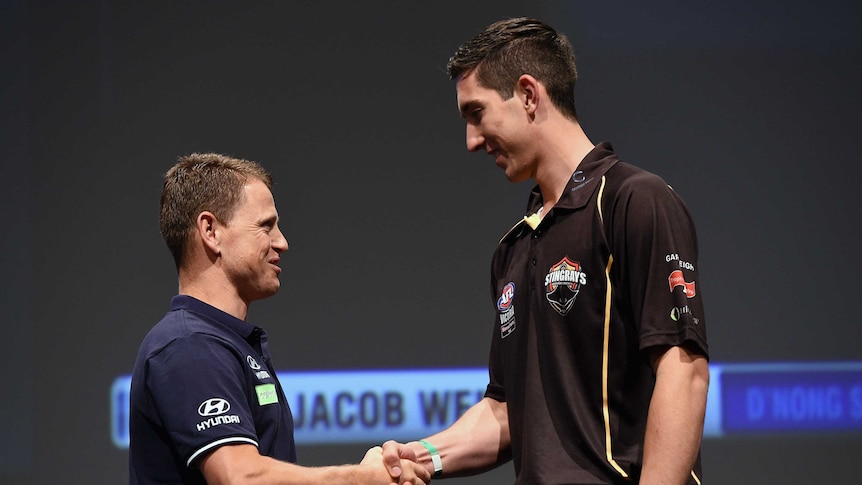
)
(279, 242)
(475, 140)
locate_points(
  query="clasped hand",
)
(399, 464)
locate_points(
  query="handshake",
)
(401, 464)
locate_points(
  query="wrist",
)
(436, 461)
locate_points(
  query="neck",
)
(563, 150)
(213, 291)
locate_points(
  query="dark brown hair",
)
(507, 49)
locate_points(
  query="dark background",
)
(751, 110)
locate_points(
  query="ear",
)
(206, 227)
(528, 92)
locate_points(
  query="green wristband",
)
(435, 457)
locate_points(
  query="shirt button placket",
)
(534, 242)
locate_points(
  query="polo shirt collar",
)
(583, 182)
(189, 303)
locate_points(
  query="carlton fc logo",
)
(563, 283)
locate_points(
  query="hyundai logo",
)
(213, 407)
(252, 363)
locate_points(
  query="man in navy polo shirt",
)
(206, 405)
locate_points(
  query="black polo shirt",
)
(610, 272)
(203, 379)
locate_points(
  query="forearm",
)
(477, 441)
(264, 470)
(675, 422)
(243, 464)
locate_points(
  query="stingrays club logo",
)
(563, 283)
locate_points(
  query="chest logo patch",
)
(266, 394)
(563, 283)
(506, 308)
(255, 367)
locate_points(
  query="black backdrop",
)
(751, 110)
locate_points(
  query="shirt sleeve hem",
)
(496, 393)
(216, 444)
(684, 337)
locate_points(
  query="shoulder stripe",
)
(599, 200)
(606, 346)
(606, 342)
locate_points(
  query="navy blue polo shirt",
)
(203, 379)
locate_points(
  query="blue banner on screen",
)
(775, 398)
(373, 406)
(356, 406)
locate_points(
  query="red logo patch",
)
(676, 279)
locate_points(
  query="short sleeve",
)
(659, 264)
(197, 383)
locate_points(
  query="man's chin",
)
(516, 178)
(264, 293)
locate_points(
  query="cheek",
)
(265, 244)
(506, 132)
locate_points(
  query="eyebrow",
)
(468, 106)
(271, 221)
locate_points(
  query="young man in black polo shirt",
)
(206, 405)
(598, 369)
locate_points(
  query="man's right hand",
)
(400, 463)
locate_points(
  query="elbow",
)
(687, 368)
